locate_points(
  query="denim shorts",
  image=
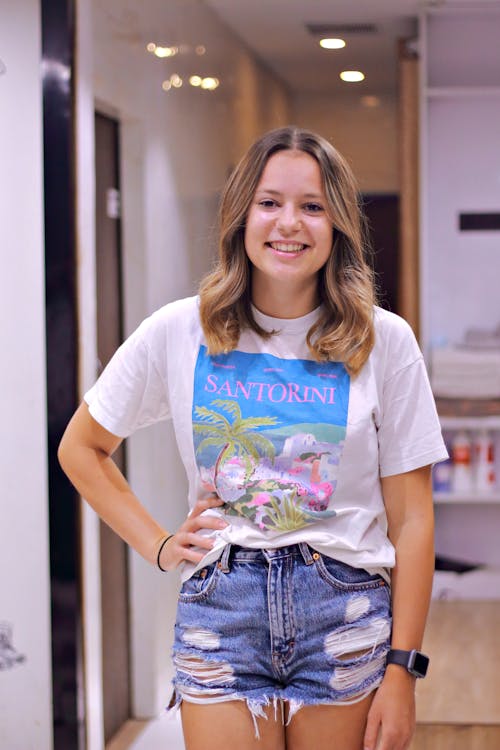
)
(285, 624)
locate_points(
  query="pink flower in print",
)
(262, 498)
(322, 490)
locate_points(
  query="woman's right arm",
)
(85, 455)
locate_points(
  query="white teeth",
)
(287, 247)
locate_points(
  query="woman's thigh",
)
(230, 725)
(322, 726)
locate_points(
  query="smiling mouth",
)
(288, 247)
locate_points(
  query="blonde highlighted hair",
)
(344, 331)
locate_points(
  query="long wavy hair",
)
(344, 331)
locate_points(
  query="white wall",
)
(25, 689)
(86, 285)
(460, 170)
(366, 136)
(177, 148)
(463, 167)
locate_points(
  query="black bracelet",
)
(163, 570)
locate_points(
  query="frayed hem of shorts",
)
(257, 706)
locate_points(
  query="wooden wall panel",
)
(408, 295)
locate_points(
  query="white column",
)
(25, 677)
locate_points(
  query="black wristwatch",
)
(413, 661)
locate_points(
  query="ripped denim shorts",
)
(283, 624)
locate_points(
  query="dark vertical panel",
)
(382, 212)
(62, 336)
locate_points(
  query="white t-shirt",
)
(294, 447)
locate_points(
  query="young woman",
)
(307, 428)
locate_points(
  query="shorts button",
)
(316, 555)
(203, 573)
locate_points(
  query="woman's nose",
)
(289, 219)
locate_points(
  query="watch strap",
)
(413, 661)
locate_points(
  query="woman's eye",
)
(267, 203)
(313, 207)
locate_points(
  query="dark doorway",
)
(114, 568)
(382, 212)
(57, 17)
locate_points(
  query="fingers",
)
(196, 520)
(386, 732)
(370, 734)
(186, 542)
(174, 552)
(205, 503)
(196, 540)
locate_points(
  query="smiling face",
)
(288, 235)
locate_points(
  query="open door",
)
(114, 568)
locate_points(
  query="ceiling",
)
(276, 32)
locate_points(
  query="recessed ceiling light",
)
(195, 80)
(332, 43)
(352, 76)
(200, 49)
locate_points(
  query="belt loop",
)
(306, 553)
(224, 559)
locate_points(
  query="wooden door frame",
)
(115, 625)
(409, 239)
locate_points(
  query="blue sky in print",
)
(269, 434)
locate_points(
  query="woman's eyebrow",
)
(270, 191)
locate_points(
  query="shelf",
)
(482, 583)
(470, 423)
(461, 92)
(470, 498)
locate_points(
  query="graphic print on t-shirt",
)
(269, 435)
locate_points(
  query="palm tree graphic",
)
(237, 437)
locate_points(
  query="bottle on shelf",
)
(462, 463)
(442, 475)
(484, 462)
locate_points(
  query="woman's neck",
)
(279, 302)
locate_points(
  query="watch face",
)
(418, 664)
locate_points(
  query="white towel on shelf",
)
(462, 372)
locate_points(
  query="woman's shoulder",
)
(178, 311)
(394, 337)
(389, 325)
(175, 322)
(179, 316)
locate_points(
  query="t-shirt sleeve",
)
(409, 433)
(132, 392)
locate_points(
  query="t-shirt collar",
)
(286, 325)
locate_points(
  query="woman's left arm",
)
(409, 507)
